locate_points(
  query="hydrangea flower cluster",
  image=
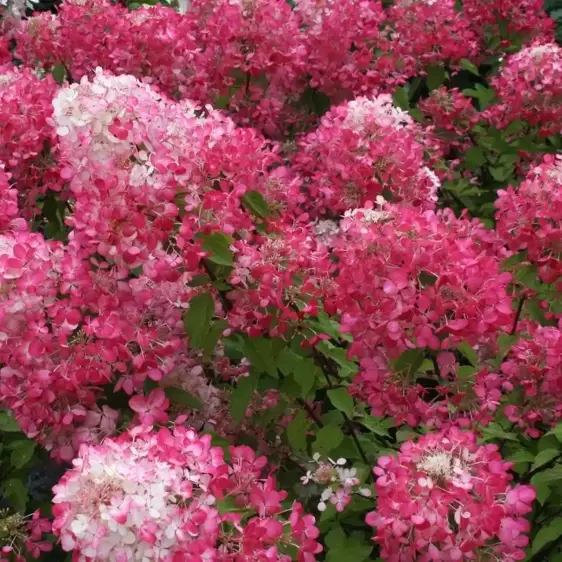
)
(429, 32)
(360, 149)
(17, 532)
(451, 115)
(28, 142)
(404, 282)
(445, 497)
(529, 217)
(529, 89)
(416, 284)
(158, 495)
(261, 67)
(343, 39)
(531, 372)
(501, 24)
(341, 483)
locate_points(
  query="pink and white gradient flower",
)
(157, 496)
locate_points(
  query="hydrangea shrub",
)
(280, 281)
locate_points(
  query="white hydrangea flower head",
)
(364, 112)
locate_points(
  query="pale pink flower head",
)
(156, 495)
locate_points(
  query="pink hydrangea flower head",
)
(445, 496)
(360, 150)
(529, 218)
(529, 88)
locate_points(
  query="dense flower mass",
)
(427, 32)
(530, 218)
(238, 235)
(28, 142)
(529, 88)
(451, 116)
(344, 40)
(501, 24)
(447, 498)
(157, 495)
(403, 283)
(360, 150)
(532, 372)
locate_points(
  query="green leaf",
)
(409, 362)
(287, 361)
(515, 259)
(254, 201)
(405, 434)
(467, 65)
(501, 173)
(335, 538)
(544, 457)
(547, 441)
(221, 102)
(345, 546)
(547, 533)
(259, 352)
(325, 324)
(466, 372)
(417, 114)
(542, 490)
(197, 319)
(548, 476)
(290, 387)
(505, 343)
(339, 355)
(305, 375)
(228, 504)
(217, 245)
(302, 369)
(16, 492)
(342, 400)
(515, 127)
(536, 311)
(327, 439)
(378, 426)
(183, 398)
(435, 77)
(199, 281)
(557, 431)
(427, 279)
(401, 98)
(242, 395)
(212, 337)
(474, 158)
(521, 456)
(495, 431)
(8, 423)
(527, 275)
(22, 453)
(353, 549)
(482, 94)
(52, 212)
(59, 73)
(466, 349)
(296, 432)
